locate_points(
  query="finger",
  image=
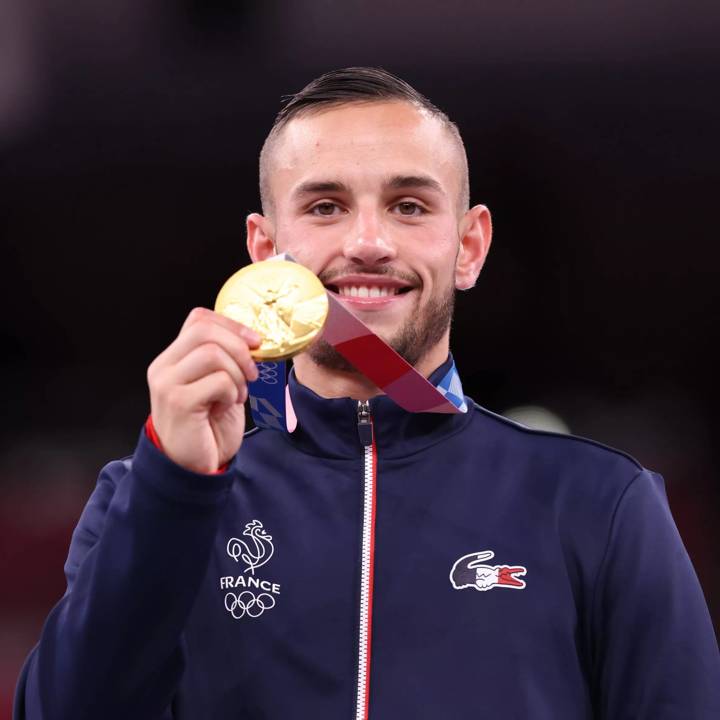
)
(201, 314)
(218, 387)
(204, 360)
(208, 331)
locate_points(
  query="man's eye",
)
(324, 208)
(408, 208)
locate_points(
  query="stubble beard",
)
(413, 341)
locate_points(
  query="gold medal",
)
(282, 301)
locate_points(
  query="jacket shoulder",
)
(561, 453)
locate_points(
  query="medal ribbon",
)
(270, 403)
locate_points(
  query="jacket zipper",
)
(365, 431)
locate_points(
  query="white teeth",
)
(365, 291)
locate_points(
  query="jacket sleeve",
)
(656, 653)
(113, 646)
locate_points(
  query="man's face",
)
(367, 197)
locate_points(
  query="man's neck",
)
(329, 383)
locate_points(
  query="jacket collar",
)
(329, 426)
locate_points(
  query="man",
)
(442, 566)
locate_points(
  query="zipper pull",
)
(365, 428)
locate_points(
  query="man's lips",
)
(368, 289)
(368, 286)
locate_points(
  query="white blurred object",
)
(537, 418)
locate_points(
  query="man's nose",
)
(368, 243)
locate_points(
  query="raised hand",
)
(198, 385)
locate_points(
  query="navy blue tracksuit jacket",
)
(377, 564)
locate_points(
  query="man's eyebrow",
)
(413, 182)
(397, 182)
(312, 187)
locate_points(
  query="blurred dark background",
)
(129, 136)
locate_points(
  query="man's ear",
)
(475, 237)
(260, 237)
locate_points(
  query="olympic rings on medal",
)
(268, 372)
(247, 604)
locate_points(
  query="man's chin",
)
(412, 339)
(325, 355)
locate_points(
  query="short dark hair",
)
(353, 85)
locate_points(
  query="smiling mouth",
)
(368, 291)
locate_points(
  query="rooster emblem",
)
(471, 572)
(256, 550)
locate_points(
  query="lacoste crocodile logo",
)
(471, 572)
